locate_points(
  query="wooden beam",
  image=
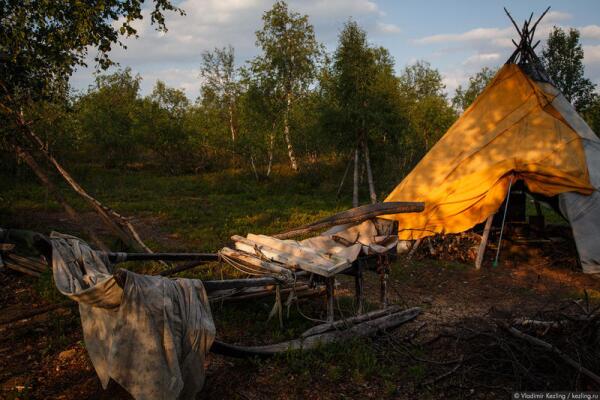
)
(354, 215)
(117, 257)
(226, 284)
(366, 328)
(347, 322)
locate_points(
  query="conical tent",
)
(518, 128)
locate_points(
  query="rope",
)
(241, 267)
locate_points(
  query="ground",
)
(45, 357)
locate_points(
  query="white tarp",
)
(151, 336)
(583, 212)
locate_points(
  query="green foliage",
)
(361, 99)
(107, 115)
(591, 114)
(42, 42)
(420, 81)
(425, 102)
(563, 60)
(464, 97)
(290, 50)
(221, 87)
(161, 123)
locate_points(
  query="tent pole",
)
(337, 195)
(484, 240)
(495, 264)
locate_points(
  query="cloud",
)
(388, 28)
(592, 63)
(473, 35)
(217, 23)
(185, 79)
(590, 32)
(480, 59)
(486, 46)
(555, 16)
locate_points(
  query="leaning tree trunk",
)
(73, 215)
(355, 186)
(114, 221)
(372, 192)
(286, 132)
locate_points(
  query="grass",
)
(200, 213)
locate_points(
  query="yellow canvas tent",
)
(520, 128)
(512, 131)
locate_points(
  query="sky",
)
(456, 37)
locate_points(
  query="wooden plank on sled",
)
(303, 257)
(295, 261)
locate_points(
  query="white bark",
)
(286, 133)
(270, 152)
(231, 124)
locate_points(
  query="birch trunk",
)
(286, 133)
(231, 124)
(355, 187)
(270, 152)
(254, 168)
(372, 192)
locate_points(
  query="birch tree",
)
(221, 81)
(290, 54)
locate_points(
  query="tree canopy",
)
(464, 97)
(563, 60)
(42, 42)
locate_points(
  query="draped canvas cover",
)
(511, 130)
(151, 335)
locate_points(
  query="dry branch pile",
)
(555, 349)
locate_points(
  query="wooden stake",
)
(330, 284)
(355, 187)
(383, 278)
(359, 287)
(372, 192)
(484, 240)
(337, 195)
